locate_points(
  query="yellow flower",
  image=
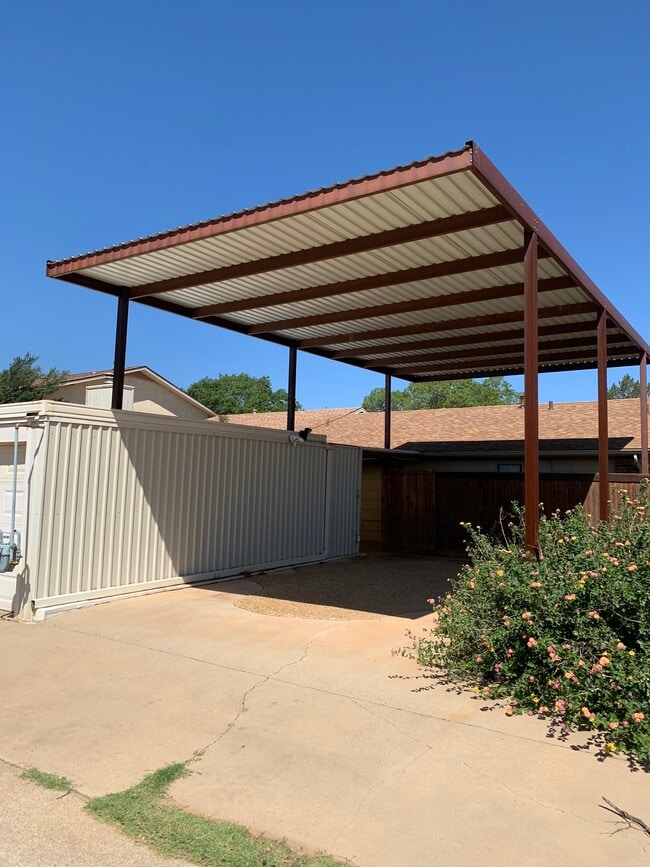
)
(500, 573)
(475, 690)
(610, 747)
(631, 653)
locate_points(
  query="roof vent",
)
(550, 404)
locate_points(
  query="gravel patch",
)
(359, 588)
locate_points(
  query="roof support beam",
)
(516, 371)
(119, 362)
(643, 406)
(402, 176)
(490, 175)
(456, 299)
(291, 389)
(603, 437)
(478, 363)
(388, 407)
(348, 247)
(444, 342)
(465, 322)
(381, 281)
(531, 396)
(507, 349)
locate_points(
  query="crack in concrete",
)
(197, 754)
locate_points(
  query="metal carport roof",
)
(416, 272)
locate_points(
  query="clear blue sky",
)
(125, 118)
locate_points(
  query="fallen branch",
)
(632, 821)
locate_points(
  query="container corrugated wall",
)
(143, 502)
(344, 485)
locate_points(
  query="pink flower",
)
(531, 678)
(585, 712)
(536, 585)
(638, 717)
(531, 642)
(560, 705)
(595, 615)
(509, 710)
(530, 713)
(570, 597)
(509, 652)
(526, 615)
(479, 659)
(543, 709)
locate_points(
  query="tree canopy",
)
(626, 387)
(24, 380)
(435, 395)
(233, 393)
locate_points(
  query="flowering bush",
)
(566, 637)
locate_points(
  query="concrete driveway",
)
(305, 729)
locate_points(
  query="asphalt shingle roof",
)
(565, 427)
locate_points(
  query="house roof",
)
(91, 375)
(417, 271)
(571, 427)
(319, 420)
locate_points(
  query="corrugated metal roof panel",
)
(388, 210)
(449, 187)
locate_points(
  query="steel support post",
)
(119, 361)
(387, 410)
(531, 408)
(291, 389)
(643, 402)
(603, 434)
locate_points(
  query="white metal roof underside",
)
(397, 319)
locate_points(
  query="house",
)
(144, 391)
(471, 459)
(482, 438)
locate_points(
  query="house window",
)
(509, 468)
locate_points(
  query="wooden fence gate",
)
(408, 508)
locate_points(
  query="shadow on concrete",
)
(385, 584)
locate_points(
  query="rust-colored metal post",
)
(119, 361)
(603, 434)
(387, 410)
(643, 402)
(531, 408)
(291, 389)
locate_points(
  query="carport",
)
(431, 271)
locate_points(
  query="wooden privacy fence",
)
(422, 510)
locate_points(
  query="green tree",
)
(625, 388)
(230, 394)
(25, 380)
(435, 395)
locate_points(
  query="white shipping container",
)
(119, 502)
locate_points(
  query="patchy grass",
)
(142, 815)
(47, 781)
